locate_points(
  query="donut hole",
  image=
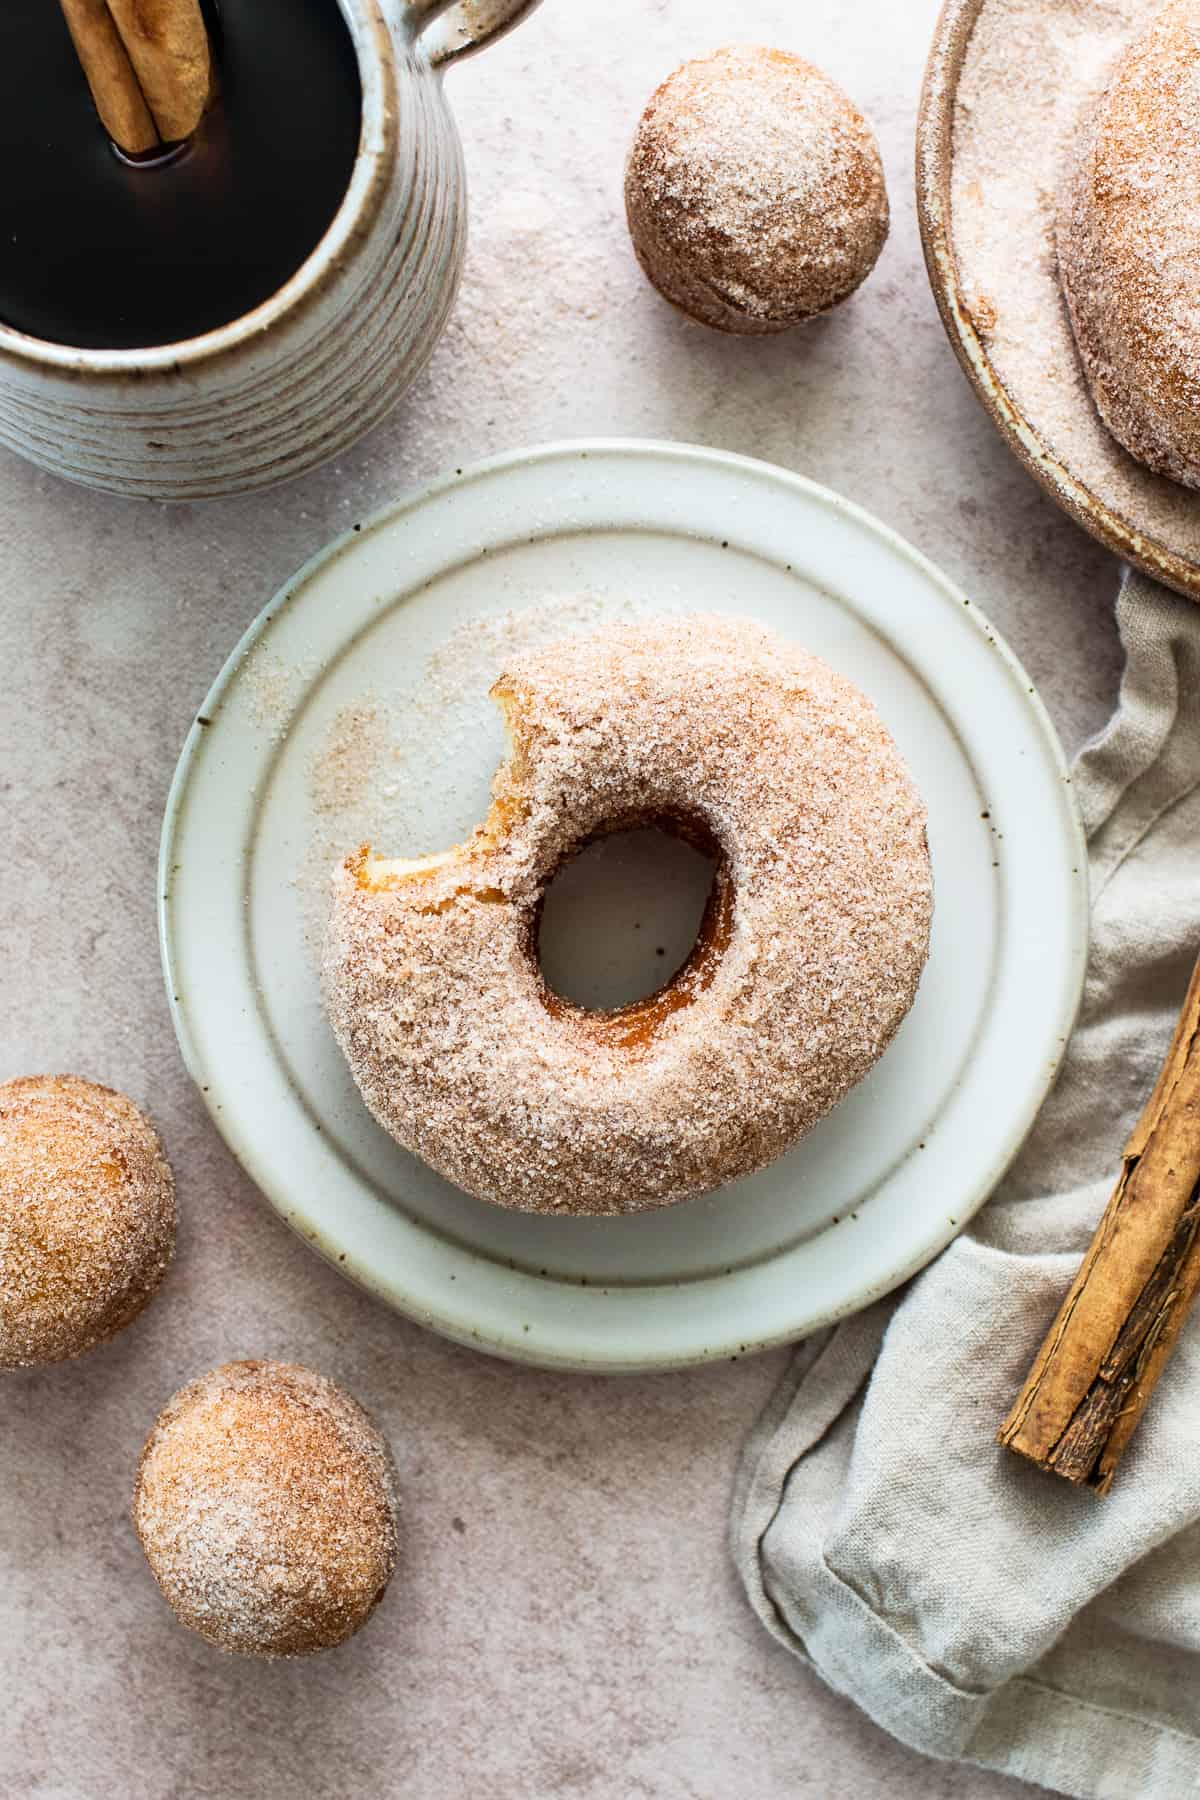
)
(624, 915)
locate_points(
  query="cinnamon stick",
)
(119, 99)
(1095, 1372)
(148, 64)
(167, 43)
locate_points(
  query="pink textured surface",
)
(564, 1621)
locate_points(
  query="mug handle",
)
(451, 31)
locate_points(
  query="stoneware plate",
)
(356, 706)
(1147, 520)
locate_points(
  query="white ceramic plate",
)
(355, 702)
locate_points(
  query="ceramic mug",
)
(299, 378)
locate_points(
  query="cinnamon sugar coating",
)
(266, 1504)
(1128, 234)
(87, 1216)
(813, 944)
(754, 191)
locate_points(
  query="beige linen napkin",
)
(973, 1606)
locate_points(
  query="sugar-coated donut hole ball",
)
(87, 1217)
(754, 191)
(266, 1504)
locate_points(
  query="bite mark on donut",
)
(378, 874)
(632, 1027)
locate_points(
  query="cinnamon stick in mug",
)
(167, 43)
(148, 64)
(1095, 1372)
(115, 90)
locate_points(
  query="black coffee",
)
(108, 256)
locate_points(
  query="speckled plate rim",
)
(934, 156)
(1050, 991)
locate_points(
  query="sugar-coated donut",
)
(266, 1505)
(1129, 245)
(809, 957)
(754, 191)
(87, 1216)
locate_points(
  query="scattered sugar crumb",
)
(273, 687)
(354, 747)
